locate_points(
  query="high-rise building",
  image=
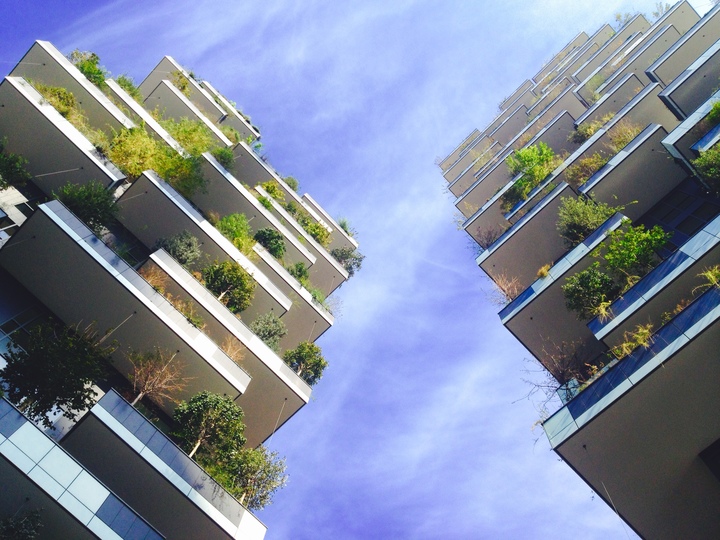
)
(109, 472)
(593, 196)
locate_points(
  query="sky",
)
(421, 427)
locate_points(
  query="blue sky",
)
(419, 429)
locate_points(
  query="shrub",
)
(271, 240)
(183, 247)
(225, 157)
(259, 473)
(91, 203)
(292, 183)
(271, 329)
(88, 64)
(231, 283)
(300, 272)
(349, 258)
(12, 168)
(315, 229)
(708, 167)
(587, 129)
(231, 133)
(180, 82)
(307, 361)
(194, 136)
(579, 173)
(267, 203)
(134, 151)
(235, 227)
(126, 83)
(535, 163)
(344, 224)
(621, 134)
(631, 252)
(579, 217)
(587, 290)
(272, 188)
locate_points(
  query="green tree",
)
(12, 168)
(307, 361)
(210, 425)
(578, 217)
(292, 183)
(54, 369)
(126, 83)
(183, 247)
(88, 64)
(270, 328)
(589, 289)
(259, 474)
(535, 162)
(235, 227)
(91, 203)
(631, 252)
(271, 240)
(708, 167)
(231, 283)
(349, 258)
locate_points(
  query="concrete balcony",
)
(199, 96)
(505, 103)
(340, 238)
(573, 44)
(126, 451)
(633, 28)
(471, 158)
(613, 100)
(151, 209)
(527, 316)
(680, 142)
(234, 118)
(453, 156)
(687, 49)
(659, 292)
(553, 104)
(694, 85)
(39, 475)
(45, 64)
(610, 433)
(65, 155)
(114, 297)
(175, 105)
(481, 162)
(275, 392)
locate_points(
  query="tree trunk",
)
(195, 448)
(138, 398)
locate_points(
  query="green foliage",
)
(535, 162)
(91, 203)
(292, 183)
(272, 188)
(235, 227)
(231, 283)
(54, 369)
(579, 173)
(88, 64)
(621, 134)
(300, 272)
(307, 361)
(578, 217)
(134, 151)
(183, 247)
(713, 117)
(67, 105)
(12, 168)
(587, 290)
(194, 136)
(211, 426)
(259, 473)
(225, 157)
(349, 258)
(21, 527)
(231, 133)
(708, 167)
(271, 240)
(126, 83)
(267, 203)
(587, 129)
(271, 329)
(631, 252)
(180, 82)
(345, 226)
(318, 231)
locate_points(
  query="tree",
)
(351, 259)
(307, 361)
(270, 328)
(587, 290)
(578, 217)
(156, 375)
(631, 252)
(231, 283)
(259, 474)
(210, 425)
(292, 183)
(54, 370)
(271, 240)
(91, 203)
(235, 227)
(300, 272)
(21, 527)
(183, 247)
(12, 168)
(88, 64)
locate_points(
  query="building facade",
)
(594, 202)
(109, 472)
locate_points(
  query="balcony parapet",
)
(681, 141)
(233, 118)
(340, 238)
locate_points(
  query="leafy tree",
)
(225, 157)
(631, 252)
(535, 162)
(271, 240)
(579, 217)
(91, 203)
(271, 329)
(210, 425)
(183, 247)
(233, 286)
(21, 527)
(260, 473)
(292, 183)
(349, 258)
(708, 167)
(235, 227)
(156, 375)
(12, 168)
(300, 272)
(587, 290)
(88, 64)
(126, 83)
(53, 369)
(307, 361)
